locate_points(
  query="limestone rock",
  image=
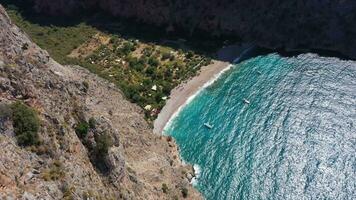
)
(116, 164)
(61, 167)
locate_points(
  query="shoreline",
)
(181, 94)
(186, 91)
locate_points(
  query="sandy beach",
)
(181, 93)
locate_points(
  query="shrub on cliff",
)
(26, 124)
(82, 129)
(92, 123)
(103, 143)
(100, 152)
(54, 172)
(164, 188)
(184, 192)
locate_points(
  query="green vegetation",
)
(103, 143)
(184, 192)
(54, 172)
(145, 72)
(82, 129)
(26, 124)
(58, 41)
(164, 188)
(99, 148)
(68, 192)
(92, 123)
(99, 152)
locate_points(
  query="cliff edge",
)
(91, 141)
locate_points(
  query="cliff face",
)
(137, 162)
(294, 24)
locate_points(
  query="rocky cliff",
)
(293, 24)
(64, 165)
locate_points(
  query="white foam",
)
(207, 84)
(197, 171)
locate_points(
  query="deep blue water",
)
(295, 140)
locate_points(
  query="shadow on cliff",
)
(26, 9)
(199, 42)
(220, 48)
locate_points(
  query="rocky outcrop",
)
(294, 24)
(138, 162)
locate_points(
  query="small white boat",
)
(246, 101)
(209, 126)
(259, 72)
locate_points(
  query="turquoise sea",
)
(295, 140)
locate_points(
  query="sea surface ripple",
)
(295, 140)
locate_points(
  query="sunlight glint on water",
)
(295, 140)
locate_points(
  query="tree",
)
(150, 70)
(26, 124)
(153, 61)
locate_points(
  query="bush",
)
(153, 61)
(168, 73)
(68, 192)
(166, 56)
(185, 192)
(114, 40)
(55, 172)
(136, 98)
(82, 129)
(103, 143)
(164, 188)
(172, 57)
(28, 139)
(100, 152)
(92, 123)
(127, 48)
(26, 124)
(137, 64)
(190, 54)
